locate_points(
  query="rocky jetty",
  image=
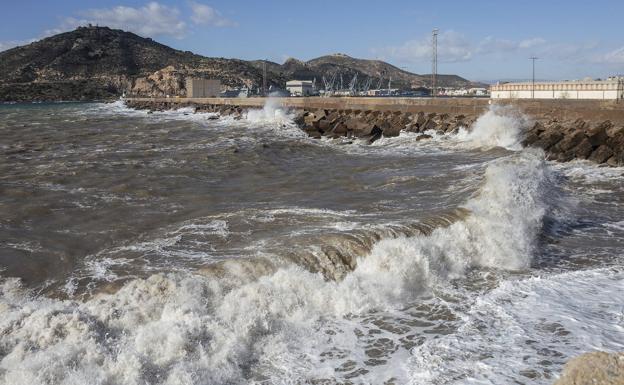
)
(372, 125)
(595, 368)
(601, 142)
(338, 123)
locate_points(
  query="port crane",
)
(329, 83)
(367, 84)
(353, 84)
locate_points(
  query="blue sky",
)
(480, 40)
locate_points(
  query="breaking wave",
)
(255, 321)
(499, 126)
(271, 113)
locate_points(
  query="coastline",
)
(565, 129)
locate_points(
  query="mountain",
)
(378, 73)
(99, 63)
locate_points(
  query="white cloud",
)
(452, 47)
(206, 15)
(492, 45)
(6, 45)
(496, 45)
(582, 52)
(152, 19)
(530, 43)
(614, 57)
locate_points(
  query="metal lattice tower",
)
(434, 60)
(264, 78)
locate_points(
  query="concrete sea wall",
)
(565, 129)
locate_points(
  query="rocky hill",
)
(99, 63)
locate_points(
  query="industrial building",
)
(300, 87)
(202, 88)
(610, 89)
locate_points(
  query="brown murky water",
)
(169, 248)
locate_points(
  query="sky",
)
(479, 40)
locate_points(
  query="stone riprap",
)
(592, 138)
(600, 142)
(595, 368)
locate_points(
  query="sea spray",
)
(275, 326)
(499, 126)
(271, 113)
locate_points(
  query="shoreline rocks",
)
(595, 368)
(373, 125)
(599, 142)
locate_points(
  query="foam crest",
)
(271, 113)
(499, 126)
(507, 216)
(258, 320)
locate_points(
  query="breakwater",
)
(565, 129)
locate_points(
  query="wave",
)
(525, 330)
(271, 113)
(255, 321)
(499, 126)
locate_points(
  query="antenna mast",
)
(264, 78)
(434, 60)
(533, 59)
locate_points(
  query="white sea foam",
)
(590, 172)
(524, 331)
(499, 126)
(259, 323)
(271, 113)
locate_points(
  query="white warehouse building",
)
(611, 89)
(300, 87)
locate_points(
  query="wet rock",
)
(340, 129)
(612, 161)
(420, 119)
(601, 154)
(570, 141)
(299, 118)
(549, 138)
(616, 140)
(423, 137)
(413, 127)
(392, 130)
(595, 368)
(323, 125)
(375, 134)
(360, 128)
(533, 134)
(583, 149)
(598, 135)
(429, 124)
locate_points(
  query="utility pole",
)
(533, 59)
(264, 78)
(434, 60)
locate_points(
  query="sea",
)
(177, 248)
